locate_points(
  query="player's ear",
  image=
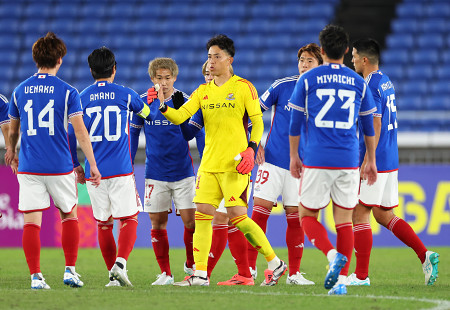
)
(346, 51)
(322, 51)
(231, 60)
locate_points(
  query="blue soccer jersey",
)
(332, 96)
(383, 93)
(277, 143)
(44, 104)
(107, 112)
(167, 153)
(4, 107)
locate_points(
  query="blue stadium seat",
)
(435, 25)
(62, 26)
(439, 9)
(293, 10)
(425, 55)
(443, 72)
(410, 102)
(256, 25)
(395, 56)
(67, 9)
(410, 10)
(438, 102)
(11, 10)
(93, 8)
(422, 71)
(264, 10)
(404, 25)
(394, 71)
(7, 58)
(415, 87)
(41, 9)
(231, 24)
(10, 42)
(120, 10)
(320, 10)
(446, 56)
(238, 10)
(402, 40)
(430, 41)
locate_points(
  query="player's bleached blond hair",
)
(206, 64)
(162, 63)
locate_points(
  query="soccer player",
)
(382, 197)
(332, 96)
(273, 177)
(226, 104)
(223, 230)
(41, 106)
(107, 108)
(169, 171)
(4, 124)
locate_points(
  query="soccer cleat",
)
(254, 272)
(338, 289)
(298, 279)
(430, 267)
(352, 280)
(120, 275)
(238, 280)
(271, 277)
(193, 281)
(112, 282)
(163, 279)
(71, 278)
(187, 270)
(335, 268)
(38, 282)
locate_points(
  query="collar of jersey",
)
(37, 73)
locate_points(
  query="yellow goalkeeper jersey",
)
(226, 110)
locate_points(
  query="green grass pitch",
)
(396, 276)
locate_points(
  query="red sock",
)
(160, 244)
(70, 239)
(127, 237)
(31, 243)
(344, 243)
(237, 242)
(406, 234)
(188, 236)
(294, 241)
(218, 244)
(260, 215)
(363, 246)
(107, 244)
(317, 234)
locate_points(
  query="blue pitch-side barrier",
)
(424, 202)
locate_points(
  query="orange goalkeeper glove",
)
(152, 94)
(247, 159)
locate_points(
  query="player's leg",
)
(183, 193)
(124, 207)
(64, 193)
(219, 236)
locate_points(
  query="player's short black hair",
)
(223, 42)
(368, 48)
(102, 62)
(334, 41)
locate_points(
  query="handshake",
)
(152, 94)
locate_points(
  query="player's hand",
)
(152, 94)
(296, 166)
(95, 176)
(260, 156)
(177, 99)
(10, 155)
(79, 172)
(15, 165)
(370, 173)
(247, 161)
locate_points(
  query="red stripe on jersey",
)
(252, 88)
(114, 176)
(36, 173)
(387, 171)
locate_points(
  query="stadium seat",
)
(264, 11)
(430, 41)
(438, 9)
(410, 10)
(395, 56)
(394, 71)
(11, 10)
(420, 56)
(405, 25)
(414, 87)
(320, 10)
(400, 40)
(422, 71)
(438, 102)
(410, 102)
(435, 25)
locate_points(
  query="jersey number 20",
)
(106, 115)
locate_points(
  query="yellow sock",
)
(202, 240)
(254, 235)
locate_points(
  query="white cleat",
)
(254, 272)
(430, 267)
(187, 270)
(352, 280)
(298, 279)
(38, 282)
(120, 275)
(71, 278)
(112, 283)
(163, 279)
(193, 281)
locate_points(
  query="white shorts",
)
(383, 193)
(159, 195)
(272, 181)
(116, 197)
(319, 185)
(34, 192)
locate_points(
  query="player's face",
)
(208, 76)
(306, 62)
(218, 61)
(165, 79)
(357, 61)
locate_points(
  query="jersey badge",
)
(334, 66)
(230, 96)
(41, 76)
(102, 84)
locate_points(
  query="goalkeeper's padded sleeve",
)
(248, 159)
(152, 94)
(73, 146)
(257, 128)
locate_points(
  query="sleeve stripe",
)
(2, 97)
(263, 105)
(252, 88)
(136, 126)
(195, 124)
(6, 121)
(75, 114)
(12, 117)
(364, 113)
(295, 107)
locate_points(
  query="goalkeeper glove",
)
(247, 159)
(152, 94)
(177, 99)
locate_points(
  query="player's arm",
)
(135, 131)
(183, 113)
(366, 116)
(295, 165)
(79, 171)
(11, 145)
(83, 139)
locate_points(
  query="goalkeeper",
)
(228, 157)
